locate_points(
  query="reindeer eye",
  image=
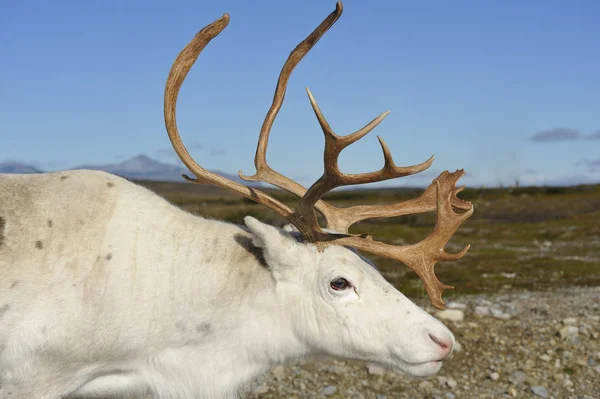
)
(339, 284)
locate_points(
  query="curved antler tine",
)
(433, 286)
(264, 173)
(404, 170)
(362, 132)
(387, 154)
(346, 140)
(181, 67)
(260, 159)
(435, 290)
(459, 202)
(322, 121)
(452, 257)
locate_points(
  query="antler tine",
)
(426, 202)
(342, 141)
(264, 172)
(423, 256)
(332, 176)
(181, 66)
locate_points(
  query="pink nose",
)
(445, 343)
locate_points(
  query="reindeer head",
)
(350, 296)
(337, 303)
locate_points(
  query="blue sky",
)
(505, 89)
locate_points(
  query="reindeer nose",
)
(444, 342)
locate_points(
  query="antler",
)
(332, 176)
(440, 195)
(181, 66)
(426, 202)
(337, 219)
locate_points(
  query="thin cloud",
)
(592, 165)
(195, 146)
(528, 172)
(166, 153)
(217, 150)
(169, 152)
(556, 134)
(593, 136)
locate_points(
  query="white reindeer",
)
(108, 290)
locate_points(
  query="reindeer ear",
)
(279, 247)
(266, 236)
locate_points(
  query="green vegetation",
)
(522, 238)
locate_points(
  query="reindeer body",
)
(99, 276)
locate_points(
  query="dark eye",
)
(339, 284)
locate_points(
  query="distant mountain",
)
(140, 167)
(17, 167)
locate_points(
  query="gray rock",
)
(517, 377)
(540, 391)
(374, 369)
(502, 316)
(568, 331)
(482, 310)
(329, 390)
(336, 369)
(494, 376)
(451, 314)
(458, 347)
(261, 389)
(545, 357)
(456, 305)
(495, 312)
(451, 383)
(532, 381)
(425, 386)
(278, 372)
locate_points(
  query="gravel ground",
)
(515, 344)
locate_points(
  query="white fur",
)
(106, 288)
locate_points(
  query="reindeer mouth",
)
(424, 368)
